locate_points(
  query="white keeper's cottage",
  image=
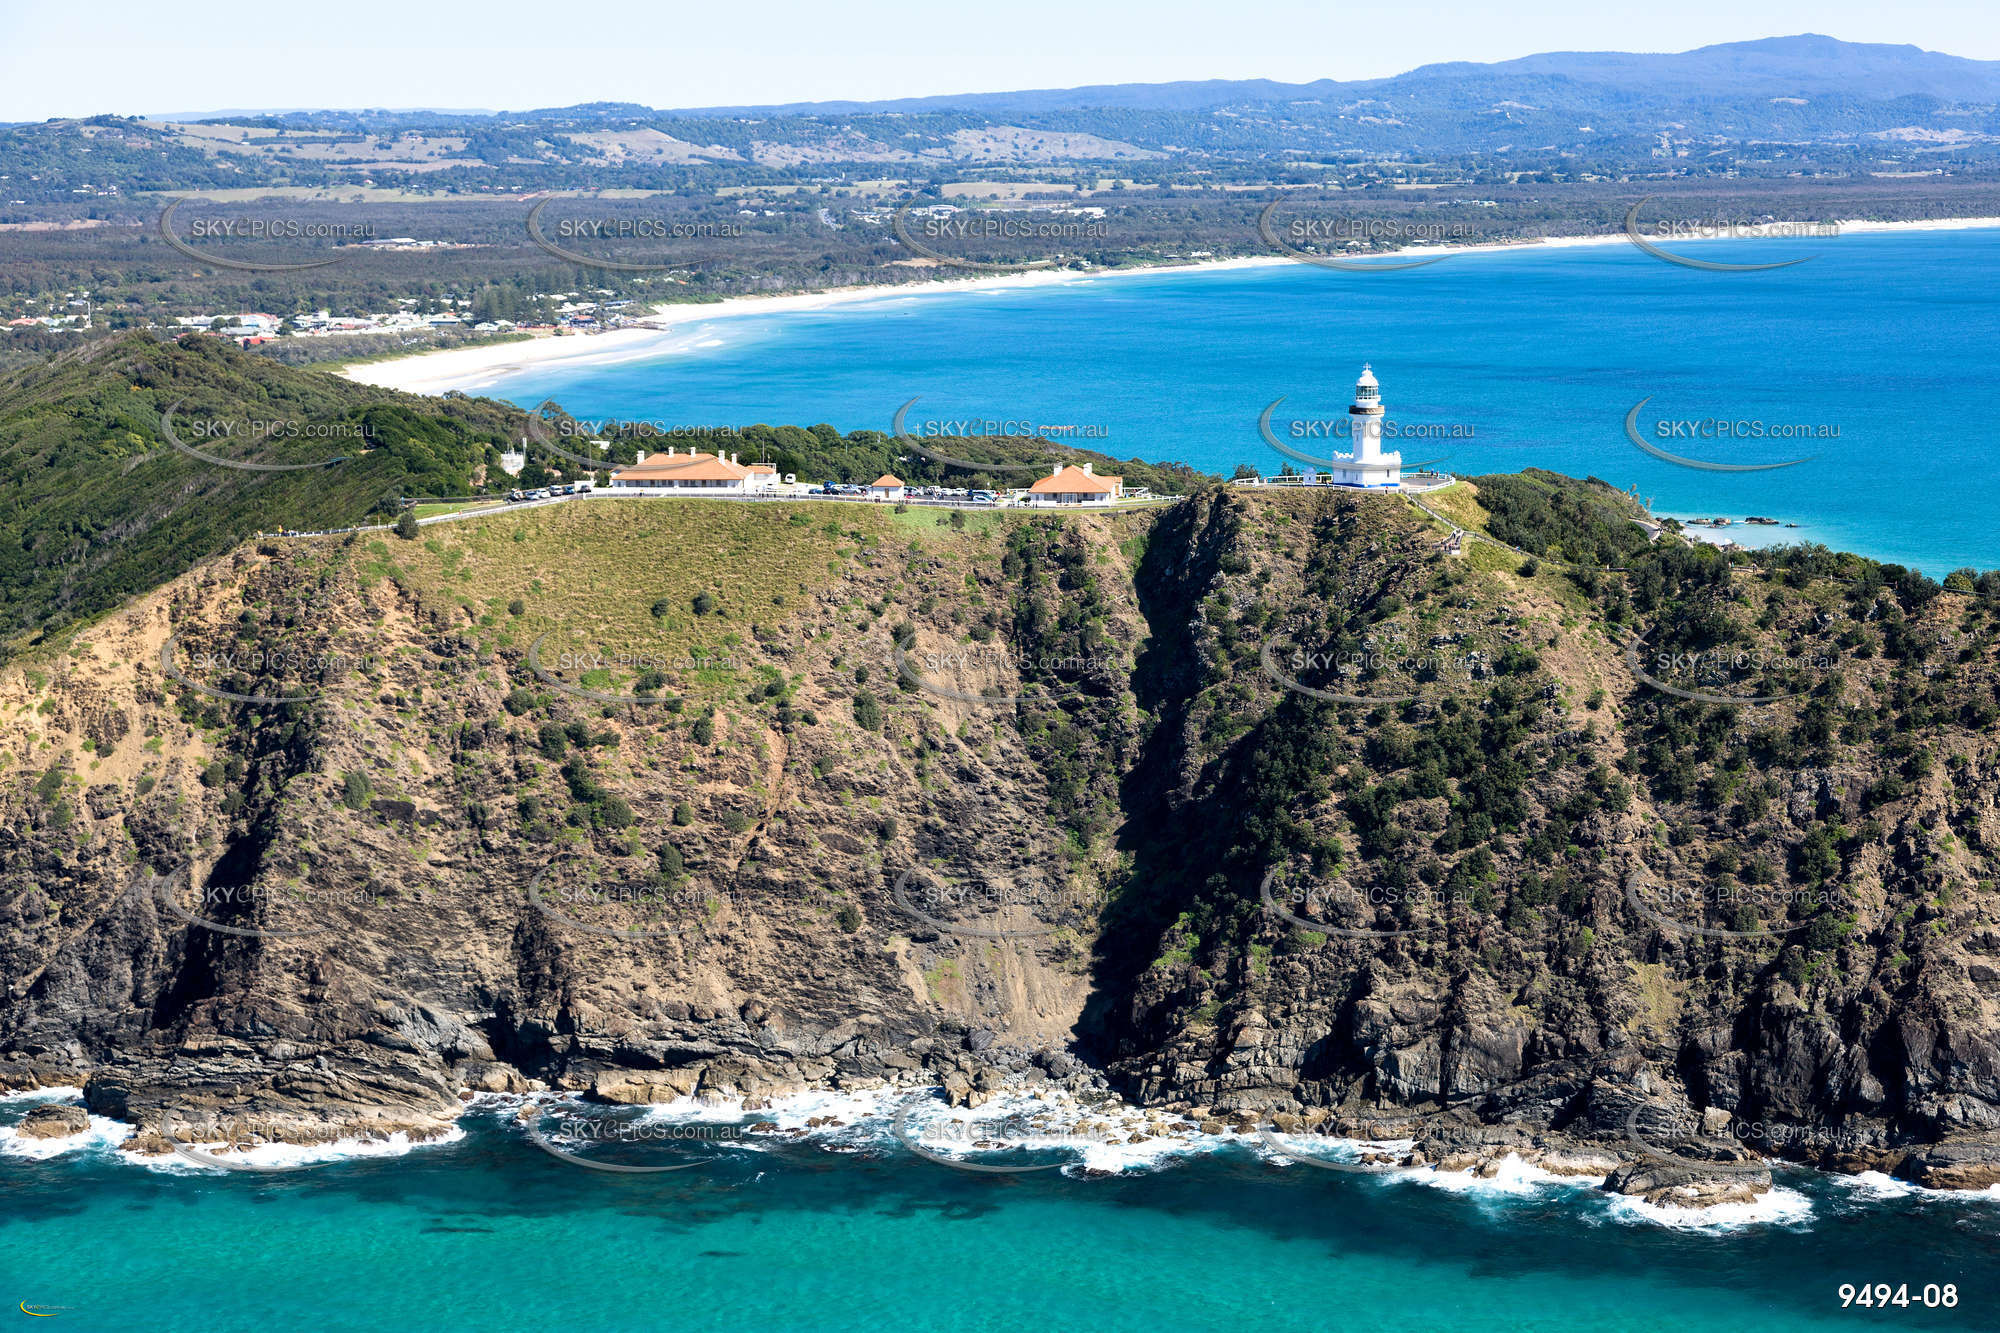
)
(692, 473)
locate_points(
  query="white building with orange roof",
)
(888, 486)
(1069, 484)
(693, 473)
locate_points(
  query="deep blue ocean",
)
(1888, 339)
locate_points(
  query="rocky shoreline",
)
(323, 920)
(1070, 1102)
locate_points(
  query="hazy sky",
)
(131, 57)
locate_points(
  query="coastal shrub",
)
(683, 814)
(406, 525)
(582, 787)
(867, 711)
(705, 603)
(704, 730)
(848, 918)
(672, 864)
(354, 788)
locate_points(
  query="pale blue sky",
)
(142, 56)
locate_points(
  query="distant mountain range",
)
(1781, 107)
(1807, 65)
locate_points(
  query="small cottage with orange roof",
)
(888, 486)
(1069, 484)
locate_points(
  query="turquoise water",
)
(488, 1232)
(1890, 338)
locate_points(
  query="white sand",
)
(671, 327)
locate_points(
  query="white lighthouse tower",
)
(1367, 465)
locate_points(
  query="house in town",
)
(692, 473)
(1069, 484)
(888, 486)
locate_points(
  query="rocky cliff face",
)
(1267, 807)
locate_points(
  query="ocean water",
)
(848, 1230)
(1888, 336)
(1888, 339)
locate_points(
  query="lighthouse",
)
(1367, 465)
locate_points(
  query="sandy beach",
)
(469, 369)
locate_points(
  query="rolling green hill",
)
(101, 505)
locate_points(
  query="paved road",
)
(513, 507)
